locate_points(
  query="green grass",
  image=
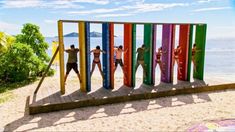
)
(6, 93)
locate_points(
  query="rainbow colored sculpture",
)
(150, 40)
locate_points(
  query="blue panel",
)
(106, 56)
(88, 68)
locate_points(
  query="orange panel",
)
(112, 65)
(127, 54)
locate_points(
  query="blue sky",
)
(218, 14)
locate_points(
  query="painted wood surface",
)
(190, 53)
(82, 48)
(61, 56)
(128, 55)
(133, 54)
(112, 63)
(200, 41)
(106, 56)
(148, 31)
(88, 60)
(154, 53)
(184, 33)
(167, 49)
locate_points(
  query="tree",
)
(5, 42)
(31, 35)
(19, 63)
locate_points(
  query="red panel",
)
(183, 57)
(111, 35)
(127, 54)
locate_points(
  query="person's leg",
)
(144, 68)
(194, 64)
(68, 69)
(101, 72)
(136, 66)
(93, 68)
(75, 68)
(116, 64)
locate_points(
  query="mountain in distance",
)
(92, 34)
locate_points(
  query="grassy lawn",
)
(6, 93)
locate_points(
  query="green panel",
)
(200, 41)
(190, 52)
(148, 54)
(133, 53)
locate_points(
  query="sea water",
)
(219, 56)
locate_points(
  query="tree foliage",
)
(5, 42)
(19, 63)
(24, 57)
(31, 35)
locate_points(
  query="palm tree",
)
(5, 41)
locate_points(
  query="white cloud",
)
(50, 21)
(55, 4)
(211, 9)
(113, 15)
(138, 8)
(9, 27)
(207, 1)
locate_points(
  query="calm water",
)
(219, 60)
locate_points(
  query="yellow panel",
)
(82, 55)
(54, 47)
(61, 56)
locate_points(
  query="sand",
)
(175, 113)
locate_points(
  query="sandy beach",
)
(176, 113)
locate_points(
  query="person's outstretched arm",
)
(103, 51)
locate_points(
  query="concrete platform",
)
(49, 99)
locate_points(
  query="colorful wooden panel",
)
(88, 61)
(61, 56)
(82, 47)
(106, 56)
(167, 49)
(154, 52)
(172, 55)
(190, 53)
(112, 63)
(148, 32)
(128, 55)
(133, 54)
(200, 41)
(184, 32)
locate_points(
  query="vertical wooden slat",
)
(200, 41)
(61, 56)
(133, 54)
(128, 55)
(88, 61)
(167, 49)
(148, 34)
(106, 56)
(112, 66)
(190, 53)
(82, 47)
(183, 56)
(154, 52)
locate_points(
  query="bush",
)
(19, 63)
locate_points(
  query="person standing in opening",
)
(194, 51)
(72, 62)
(159, 58)
(140, 59)
(118, 58)
(177, 52)
(96, 60)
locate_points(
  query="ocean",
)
(219, 57)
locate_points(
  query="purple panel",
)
(154, 52)
(167, 34)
